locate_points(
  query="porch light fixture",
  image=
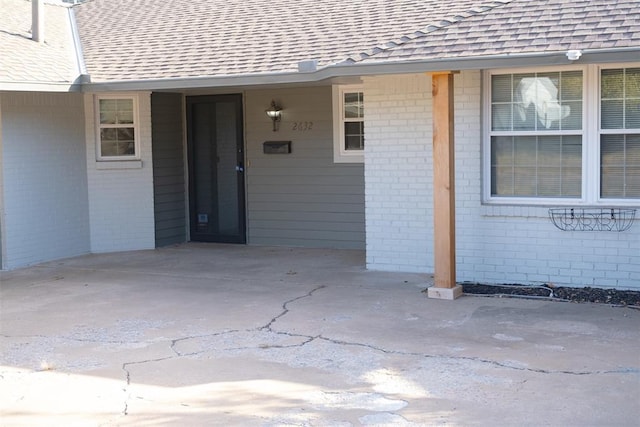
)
(275, 114)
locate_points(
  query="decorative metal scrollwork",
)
(592, 219)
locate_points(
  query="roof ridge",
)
(482, 7)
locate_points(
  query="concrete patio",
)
(204, 334)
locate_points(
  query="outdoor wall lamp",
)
(275, 114)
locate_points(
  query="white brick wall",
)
(120, 198)
(495, 244)
(398, 173)
(44, 206)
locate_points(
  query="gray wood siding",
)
(168, 169)
(302, 198)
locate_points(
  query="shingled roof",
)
(524, 27)
(26, 64)
(130, 43)
(125, 40)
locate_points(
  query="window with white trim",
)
(116, 128)
(620, 133)
(348, 108)
(566, 135)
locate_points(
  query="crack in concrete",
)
(69, 338)
(481, 360)
(178, 354)
(307, 339)
(125, 410)
(175, 342)
(285, 309)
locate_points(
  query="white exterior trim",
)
(340, 155)
(590, 141)
(136, 127)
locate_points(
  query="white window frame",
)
(600, 131)
(590, 140)
(99, 126)
(340, 155)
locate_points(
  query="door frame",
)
(238, 98)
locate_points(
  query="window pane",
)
(125, 117)
(620, 103)
(125, 111)
(571, 86)
(353, 105)
(117, 142)
(116, 138)
(536, 166)
(108, 142)
(620, 166)
(501, 117)
(539, 101)
(549, 181)
(572, 121)
(571, 181)
(116, 111)
(524, 181)
(524, 116)
(501, 88)
(612, 114)
(502, 181)
(571, 165)
(354, 135)
(501, 150)
(550, 153)
(632, 114)
(524, 151)
(126, 144)
(571, 151)
(108, 134)
(632, 82)
(108, 111)
(611, 82)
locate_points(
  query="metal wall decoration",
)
(592, 219)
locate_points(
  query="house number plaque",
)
(302, 126)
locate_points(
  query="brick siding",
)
(495, 244)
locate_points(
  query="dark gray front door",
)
(216, 168)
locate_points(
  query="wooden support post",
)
(444, 189)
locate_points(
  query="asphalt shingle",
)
(125, 40)
(25, 61)
(530, 26)
(153, 39)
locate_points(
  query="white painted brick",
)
(43, 202)
(519, 241)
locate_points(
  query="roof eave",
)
(369, 69)
(39, 87)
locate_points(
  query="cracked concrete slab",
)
(225, 335)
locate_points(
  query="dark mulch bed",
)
(596, 295)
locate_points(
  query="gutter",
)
(81, 67)
(369, 69)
